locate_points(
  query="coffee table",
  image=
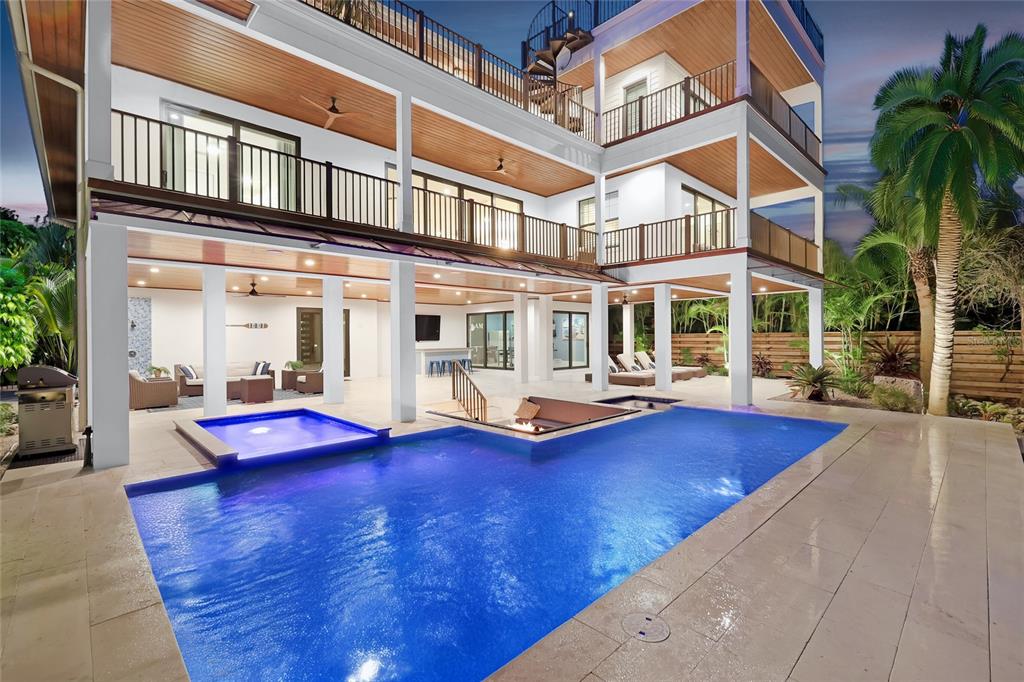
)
(257, 389)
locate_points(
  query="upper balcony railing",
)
(558, 17)
(766, 98)
(150, 153)
(810, 26)
(706, 233)
(416, 34)
(676, 102)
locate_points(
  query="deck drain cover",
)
(646, 627)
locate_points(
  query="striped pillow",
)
(188, 372)
(262, 368)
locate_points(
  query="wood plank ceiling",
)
(641, 293)
(701, 38)
(206, 56)
(55, 32)
(715, 164)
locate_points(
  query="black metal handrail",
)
(558, 17)
(766, 98)
(416, 34)
(810, 26)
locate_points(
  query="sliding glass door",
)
(490, 339)
(571, 340)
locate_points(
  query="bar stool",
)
(447, 368)
(466, 365)
(435, 366)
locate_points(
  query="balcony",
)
(416, 34)
(244, 178)
(706, 233)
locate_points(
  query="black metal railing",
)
(675, 237)
(676, 102)
(416, 34)
(558, 17)
(766, 98)
(160, 155)
(810, 26)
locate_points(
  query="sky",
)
(865, 42)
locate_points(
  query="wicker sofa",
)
(146, 393)
(235, 372)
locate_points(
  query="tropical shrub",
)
(813, 383)
(687, 357)
(893, 399)
(704, 360)
(855, 385)
(990, 411)
(891, 359)
(8, 419)
(763, 366)
(17, 321)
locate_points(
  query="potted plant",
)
(294, 365)
(158, 372)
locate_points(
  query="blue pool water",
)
(439, 558)
(257, 435)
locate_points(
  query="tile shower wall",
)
(140, 334)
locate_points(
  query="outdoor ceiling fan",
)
(333, 112)
(254, 293)
(501, 169)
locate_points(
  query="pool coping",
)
(550, 434)
(221, 454)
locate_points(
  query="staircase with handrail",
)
(468, 394)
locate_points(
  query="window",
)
(712, 226)
(632, 119)
(455, 189)
(571, 333)
(585, 212)
(491, 339)
(695, 203)
(197, 162)
(309, 337)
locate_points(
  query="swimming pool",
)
(444, 557)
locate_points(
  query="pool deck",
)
(892, 552)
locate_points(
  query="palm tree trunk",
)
(920, 271)
(947, 263)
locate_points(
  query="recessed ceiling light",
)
(362, 295)
(437, 275)
(141, 282)
(309, 293)
(468, 301)
(762, 288)
(264, 278)
(458, 293)
(674, 296)
(310, 262)
(634, 292)
(616, 300)
(234, 288)
(728, 283)
(348, 284)
(154, 269)
(574, 297)
(522, 285)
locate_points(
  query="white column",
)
(742, 47)
(108, 324)
(599, 191)
(663, 337)
(98, 89)
(541, 333)
(599, 336)
(403, 342)
(742, 236)
(215, 342)
(628, 331)
(334, 340)
(598, 96)
(521, 338)
(819, 227)
(816, 326)
(403, 149)
(741, 386)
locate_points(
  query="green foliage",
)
(687, 357)
(855, 385)
(891, 398)
(15, 238)
(294, 364)
(8, 419)
(157, 371)
(17, 320)
(55, 297)
(813, 383)
(1004, 343)
(763, 366)
(891, 359)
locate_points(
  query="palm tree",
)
(938, 129)
(900, 225)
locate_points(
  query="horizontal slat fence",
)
(977, 371)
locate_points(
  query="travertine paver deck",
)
(895, 550)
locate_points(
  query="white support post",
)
(599, 336)
(742, 236)
(521, 338)
(334, 341)
(403, 342)
(742, 47)
(108, 324)
(819, 227)
(741, 386)
(663, 337)
(628, 331)
(598, 96)
(215, 342)
(403, 148)
(541, 333)
(599, 192)
(816, 326)
(98, 17)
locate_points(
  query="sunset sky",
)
(864, 43)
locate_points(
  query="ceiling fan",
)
(253, 293)
(333, 112)
(501, 169)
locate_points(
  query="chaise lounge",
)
(193, 385)
(679, 373)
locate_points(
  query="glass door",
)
(490, 339)
(571, 344)
(309, 337)
(632, 96)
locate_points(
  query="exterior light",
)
(362, 295)
(458, 293)
(264, 278)
(728, 283)
(574, 297)
(437, 275)
(310, 262)
(522, 285)
(634, 292)
(141, 282)
(309, 293)
(348, 285)
(616, 300)
(674, 296)
(234, 288)
(154, 270)
(762, 288)
(468, 301)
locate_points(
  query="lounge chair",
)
(679, 373)
(146, 393)
(622, 377)
(310, 382)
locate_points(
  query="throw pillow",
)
(188, 372)
(527, 410)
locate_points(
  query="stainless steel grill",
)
(46, 410)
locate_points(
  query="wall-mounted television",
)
(428, 327)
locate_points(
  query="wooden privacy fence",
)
(977, 371)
